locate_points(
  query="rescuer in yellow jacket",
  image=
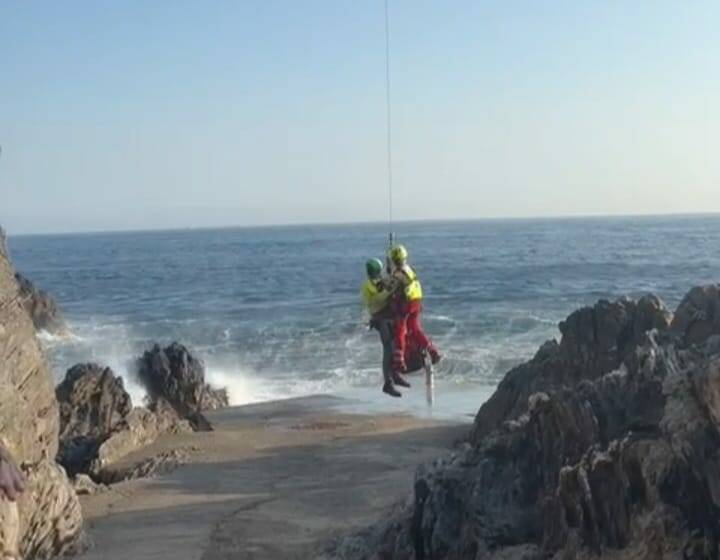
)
(376, 294)
(408, 305)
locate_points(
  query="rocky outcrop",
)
(47, 520)
(595, 340)
(41, 307)
(173, 375)
(617, 457)
(98, 424)
(92, 400)
(140, 428)
(698, 315)
(161, 463)
(86, 486)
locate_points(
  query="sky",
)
(143, 115)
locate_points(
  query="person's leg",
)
(415, 328)
(386, 337)
(398, 379)
(400, 328)
(416, 331)
(384, 327)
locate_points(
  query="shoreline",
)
(274, 480)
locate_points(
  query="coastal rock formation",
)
(93, 401)
(614, 451)
(86, 486)
(47, 520)
(161, 463)
(698, 315)
(595, 340)
(140, 428)
(41, 307)
(98, 424)
(172, 374)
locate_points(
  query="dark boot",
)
(435, 356)
(400, 380)
(389, 389)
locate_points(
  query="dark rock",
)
(41, 307)
(99, 426)
(595, 340)
(175, 376)
(93, 401)
(698, 315)
(618, 457)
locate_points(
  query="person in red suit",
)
(408, 306)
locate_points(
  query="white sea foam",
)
(242, 388)
(49, 338)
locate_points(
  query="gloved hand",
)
(12, 480)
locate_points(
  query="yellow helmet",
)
(398, 254)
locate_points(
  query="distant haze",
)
(136, 115)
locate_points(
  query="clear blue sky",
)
(136, 114)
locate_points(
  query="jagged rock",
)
(174, 375)
(99, 426)
(55, 521)
(595, 340)
(47, 520)
(92, 400)
(93, 405)
(620, 464)
(86, 486)
(698, 315)
(41, 307)
(141, 428)
(152, 466)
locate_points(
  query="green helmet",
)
(398, 254)
(374, 267)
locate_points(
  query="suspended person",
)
(407, 308)
(376, 295)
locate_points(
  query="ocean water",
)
(274, 312)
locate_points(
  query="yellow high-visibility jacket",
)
(412, 290)
(374, 296)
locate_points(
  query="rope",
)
(389, 120)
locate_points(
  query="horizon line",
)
(557, 217)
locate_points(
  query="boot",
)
(400, 380)
(389, 389)
(435, 356)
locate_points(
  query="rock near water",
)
(606, 445)
(595, 340)
(98, 424)
(93, 401)
(173, 375)
(41, 307)
(47, 520)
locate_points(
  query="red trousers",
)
(407, 323)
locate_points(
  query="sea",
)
(274, 312)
